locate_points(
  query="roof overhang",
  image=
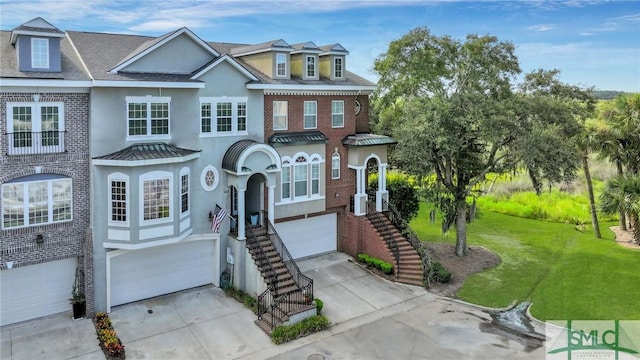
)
(149, 84)
(15, 33)
(30, 82)
(303, 87)
(232, 62)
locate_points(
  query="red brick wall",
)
(363, 238)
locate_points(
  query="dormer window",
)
(39, 53)
(281, 65)
(311, 66)
(338, 67)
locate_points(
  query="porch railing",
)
(31, 142)
(265, 300)
(378, 218)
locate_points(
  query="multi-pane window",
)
(338, 67)
(35, 128)
(223, 115)
(156, 199)
(310, 114)
(39, 53)
(300, 179)
(311, 66)
(286, 182)
(335, 166)
(118, 201)
(281, 65)
(337, 113)
(184, 193)
(33, 201)
(147, 116)
(280, 114)
(300, 174)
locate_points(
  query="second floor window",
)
(335, 166)
(281, 65)
(223, 116)
(147, 116)
(300, 179)
(337, 113)
(35, 128)
(311, 66)
(310, 114)
(280, 114)
(36, 200)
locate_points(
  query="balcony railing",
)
(31, 142)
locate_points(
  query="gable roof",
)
(38, 27)
(273, 45)
(224, 58)
(307, 47)
(155, 43)
(333, 49)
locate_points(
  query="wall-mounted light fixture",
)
(337, 195)
(39, 239)
(210, 215)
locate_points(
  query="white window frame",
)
(334, 113)
(281, 58)
(314, 66)
(311, 114)
(335, 166)
(39, 53)
(185, 171)
(155, 175)
(123, 178)
(11, 186)
(36, 129)
(335, 67)
(203, 178)
(309, 163)
(148, 100)
(282, 104)
(235, 103)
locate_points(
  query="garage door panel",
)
(37, 290)
(311, 236)
(146, 273)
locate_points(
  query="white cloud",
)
(541, 27)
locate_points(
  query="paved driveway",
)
(372, 319)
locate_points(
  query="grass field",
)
(566, 273)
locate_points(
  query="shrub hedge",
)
(379, 264)
(285, 333)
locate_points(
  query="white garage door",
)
(34, 291)
(145, 273)
(311, 236)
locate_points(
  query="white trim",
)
(148, 100)
(151, 176)
(231, 61)
(333, 67)
(15, 33)
(268, 150)
(332, 114)
(135, 163)
(304, 114)
(304, 87)
(185, 171)
(36, 128)
(213, 102)
(38, 39)
(155, 46)
(216, 178)
(305, 73)
(29, 82)
(148, 84)
(286, 65)
(273, 123)
(118, 176)
(336, 156)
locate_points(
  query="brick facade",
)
(363, 238)
(65, 239)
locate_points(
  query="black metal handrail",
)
(374, 215)
(407, 232)
(265, 300)
(33, 142)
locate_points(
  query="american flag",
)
(218, 216)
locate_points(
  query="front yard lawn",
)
(566, 273)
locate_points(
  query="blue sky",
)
(593, 43)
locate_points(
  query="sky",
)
(594, 43)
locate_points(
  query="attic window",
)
(281, 65)
(39, 53)
(337, 67)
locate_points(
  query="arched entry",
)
(255, 198)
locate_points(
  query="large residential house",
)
(157, 164)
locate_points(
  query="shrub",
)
(386, 268)
(242, 297)
(379, 264)
(285, 333)
(363, 258)
(319, 306)
(439, 273)
(109, 341)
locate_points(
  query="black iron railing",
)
(265, 300)
(378, 218)
(31, 142)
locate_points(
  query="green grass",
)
(567, 274)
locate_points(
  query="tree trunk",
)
(635, 223)
(537, 186)
(622, 215)
(592, 201)
(461, 227)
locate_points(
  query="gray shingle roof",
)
(71, 65)
(367, 140)
(298, 138)
(147, 151)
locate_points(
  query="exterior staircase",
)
(289, 292)
(408, 268)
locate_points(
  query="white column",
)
(271, 203)
(382, 186)
(241, 214)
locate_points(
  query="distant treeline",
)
(607, 94)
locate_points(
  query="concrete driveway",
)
(371, 319)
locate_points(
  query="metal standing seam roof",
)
(147, 151)
(298, 138)
(367, 140)
(233, 153)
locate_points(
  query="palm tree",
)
(622, 194)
